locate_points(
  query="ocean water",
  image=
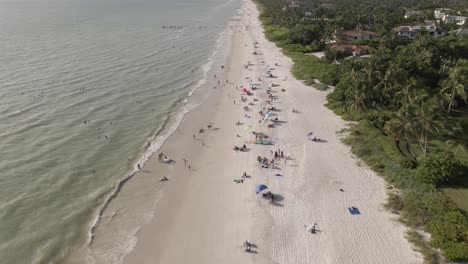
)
(89, 89)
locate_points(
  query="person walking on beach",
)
(185, 162)
(193, 136)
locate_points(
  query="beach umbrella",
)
(309, 134)
(244, 90)
(260, 188)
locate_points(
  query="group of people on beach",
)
(279, 154)
(266, 163)
(259, 136)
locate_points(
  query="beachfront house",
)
(358, 35)
(409, 33)
(459, 20)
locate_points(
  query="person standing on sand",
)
(185, 162)
(193, 136)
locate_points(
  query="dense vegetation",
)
(409, 101)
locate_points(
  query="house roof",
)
(402, 29)
(417, 28)
(447, 17)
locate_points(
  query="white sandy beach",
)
(203, 216)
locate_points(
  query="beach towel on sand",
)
(354, 211)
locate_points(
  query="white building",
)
(459, 20)
(409, 33)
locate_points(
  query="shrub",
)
(439, 169)
(457, 251)
(450, 233)
(321, 87)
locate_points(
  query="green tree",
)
(427, 122)
(440, 169)
(456, 85)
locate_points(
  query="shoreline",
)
(201, 216)
(196, 97)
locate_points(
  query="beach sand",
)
(203, 216)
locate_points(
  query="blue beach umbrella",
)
(309, 134)
(260, 188)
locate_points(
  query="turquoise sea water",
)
(87, 90)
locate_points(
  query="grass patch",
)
(321, 86)
(458, 195)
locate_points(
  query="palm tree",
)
(427, 121)
(456, 85)
(402, 124)
(418, 118)
(458, 137)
